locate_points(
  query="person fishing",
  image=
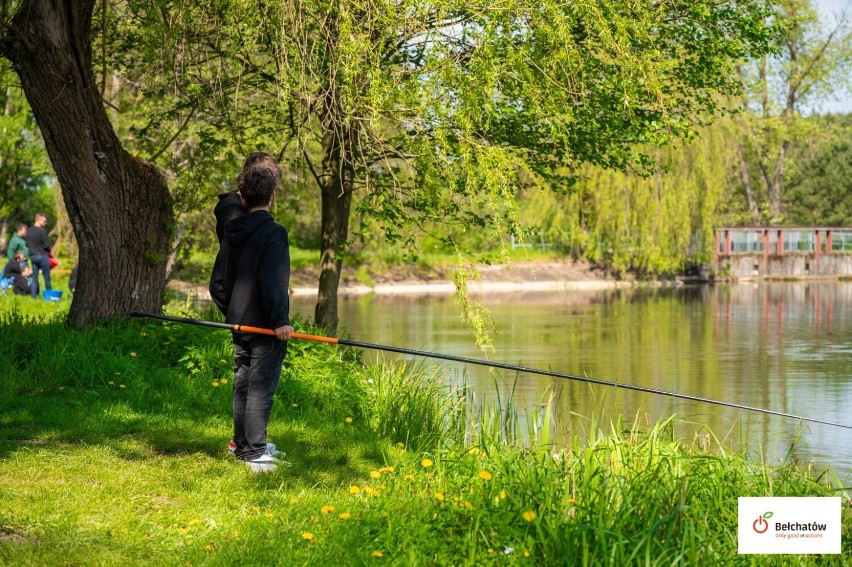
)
(249, 284)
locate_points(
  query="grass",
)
(113, 452)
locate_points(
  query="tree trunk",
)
(745, 179)
(777, 183)
(4, 240)
(119, 206)
(336, 188)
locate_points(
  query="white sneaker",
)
(270, 450)
(263, 463)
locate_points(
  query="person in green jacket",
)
(18, 244)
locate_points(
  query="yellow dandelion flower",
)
(193, 522)
(256, 508)
(426, 463)
(468, 505)
(490, 550)
(223, 361)
(409, 477)
(348, 420)
(122, 386)
(526, 553)
(223, 380)
(529, 515)
(208, 547)
(294, 500)
(439, 496)
(387, 469)
(269, 515)
(503, 495)
(182, 531)
(375, 474)
(354, 489)
(485, 475)
(215, 383)
(384, 514)
(307, 536)
(133, 354)
(378, 553)
(345, 516)
(327, 509)
(111, 383)
(400, 445)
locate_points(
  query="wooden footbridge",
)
(784, 252)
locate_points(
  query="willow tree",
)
(653, 224)
(436, 112)
(119, 206)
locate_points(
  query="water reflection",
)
(781, 346)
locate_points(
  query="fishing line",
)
(332, 340)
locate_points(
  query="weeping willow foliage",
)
(440, 115)
(651, 224)
(442, 112)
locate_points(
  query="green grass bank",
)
(113, 452)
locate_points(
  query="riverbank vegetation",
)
(113, 444)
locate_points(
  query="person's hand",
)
(284, 332)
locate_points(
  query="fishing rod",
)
(333, 340)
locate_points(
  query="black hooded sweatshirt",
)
(251, 276)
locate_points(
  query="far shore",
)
(552, 276)
(448, 288)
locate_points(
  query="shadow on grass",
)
(122, 385)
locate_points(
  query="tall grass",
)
(112, 451)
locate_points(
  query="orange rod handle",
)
(303, 336)
(317, 338)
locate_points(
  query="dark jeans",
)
(39, 263)
(257, 370)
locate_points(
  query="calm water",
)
(780, 346)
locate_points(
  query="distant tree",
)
(821, 190)
(23, 165)
(810, 64)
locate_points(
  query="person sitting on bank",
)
(18, 272)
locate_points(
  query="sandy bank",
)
(495, 278)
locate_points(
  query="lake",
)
(786, 347)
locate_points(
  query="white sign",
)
(789, 525)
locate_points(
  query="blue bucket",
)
(52, 294)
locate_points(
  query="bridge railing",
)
(784, 240)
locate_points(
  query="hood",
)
(240, 228)
(228, 208)
(227, 200)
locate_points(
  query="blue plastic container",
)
(52, 294)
